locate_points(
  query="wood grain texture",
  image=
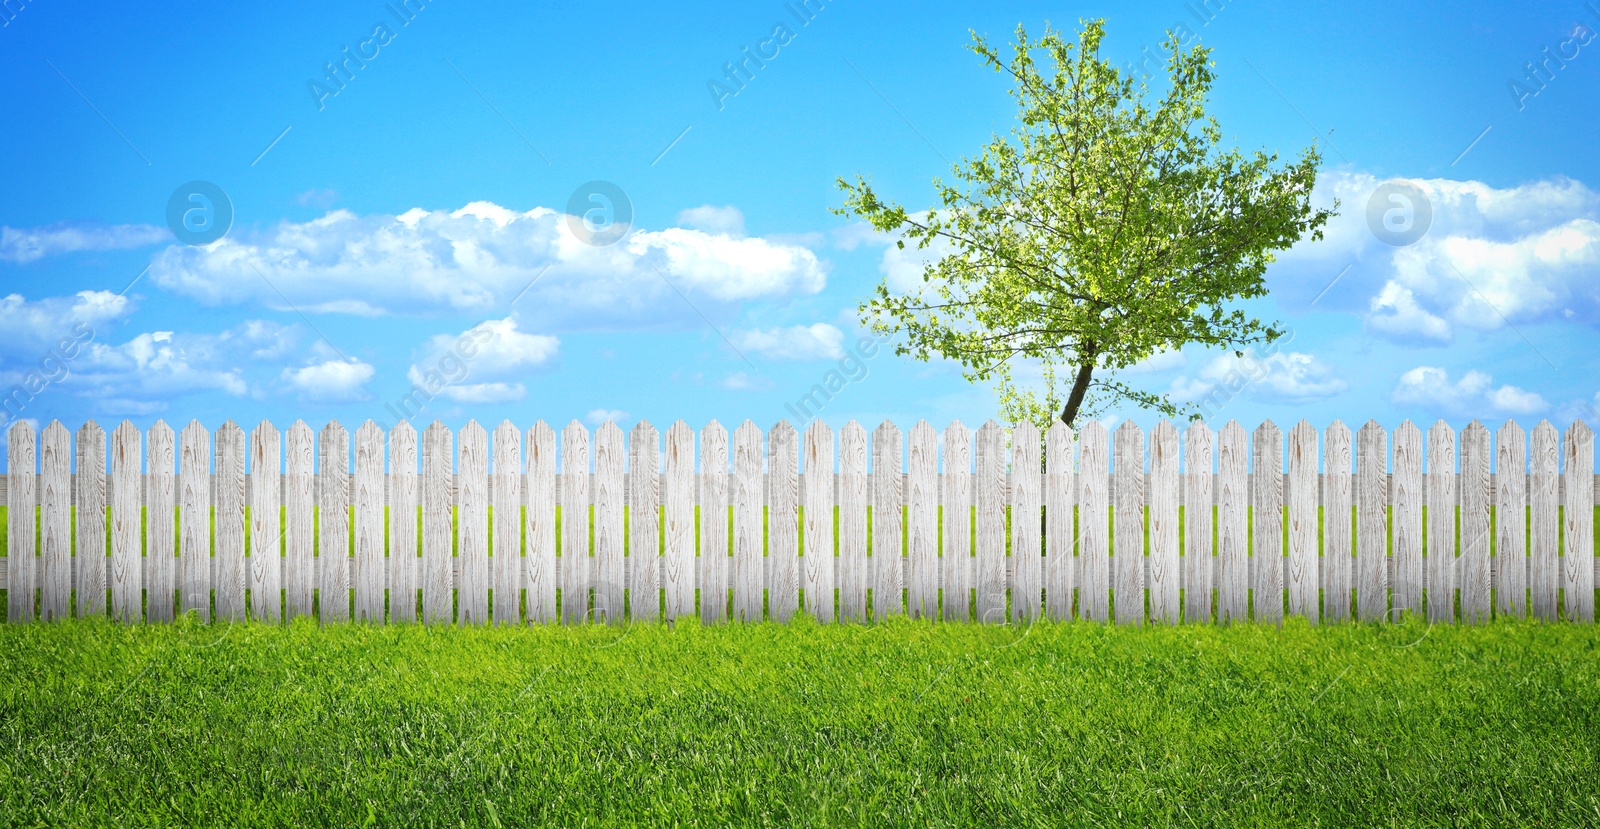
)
(1372, 572)
(783, 521)
(1267, 523)
(714, 562)
(1441, 518)
(853, 577)
(229, 523)
(644, 523)
(1060, 493)
(817, 504)
(404, 508)
(1127, 551)
(333, 523)
(472, 525)
(127, 508)
(677, 570)
(1094, 540)
(266, 535)
(541, 524)
(55, 523)
(505, 557)
(1163, 499)
(194, 521)
(90, 582)
(1027, 501)
(22, 582)
(609, 540)
(1407, 493)
(1473, 569)
(922, 522)
(1544, 536)
(1301, 578)
(299, 521)
(747, 534)
(1577, 571)
(888, 597)
(369, 521)
(989, 561)
(1199, 500)
(1338, 519)
(1511, 520)
(161, 500)
(955, 498)
(576, 563)
(438, 580)
(1233, 504)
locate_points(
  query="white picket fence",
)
(1006, 526)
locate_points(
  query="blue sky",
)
(373, 228)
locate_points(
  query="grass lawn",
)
(904, 723)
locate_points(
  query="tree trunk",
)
(1079, 387)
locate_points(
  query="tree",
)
(1105, 229)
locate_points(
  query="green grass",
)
(904, 723)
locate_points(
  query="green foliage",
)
(900, 724)
(1109, 226)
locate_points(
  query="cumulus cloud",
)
(485, 363)
(29, 244)
(1394, 312)
(331, 381)
(595, 417)
(145, 373)
(1473, 395)
(712, 219)
(1292, 377)
(34, 327)
(482, 258)
(819, 341)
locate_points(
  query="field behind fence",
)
(989, 526)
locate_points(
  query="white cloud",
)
(1291, 376)
(595, 417)
(333, 381)
(35, 327)
(482, 258)
(1395, 313)
(743, 381)
(157, 366)
(1473, 395)
(819, 341)
(712, 219)
(28, 244)
(493, 355)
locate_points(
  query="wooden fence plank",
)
(955, 498)
(1577, 582)
(679, 557)
(747, 535)
(853, 578)
(1163, 499)
(1372, 573)
(229, 523)
(541, 524)
(90, 583)
(644, 523)
(1338, 501)
(1511, 520)
(783, 521)
(1407, 494)
(55, 522)
(127, 508)
(1301, 578)
(1127, 552)
(887, 499)
(1233, 503)
(404, 506)
(1059, 494)
(817, 504)
(922, 522)
(1094, 552)
(1267, 523)
(1199, 498)
(266, 558)
(1027, 499)
(989, 570)
(369, 504)
(609, 456)
(713, 523)
(22, 574)
(160, 523)
(438, 582)
(506, 534)
(333, 523)
(576, 563)
(472, 525)
(1441, 563)
(194, 521)
(1544, 539)
(1473, 570)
